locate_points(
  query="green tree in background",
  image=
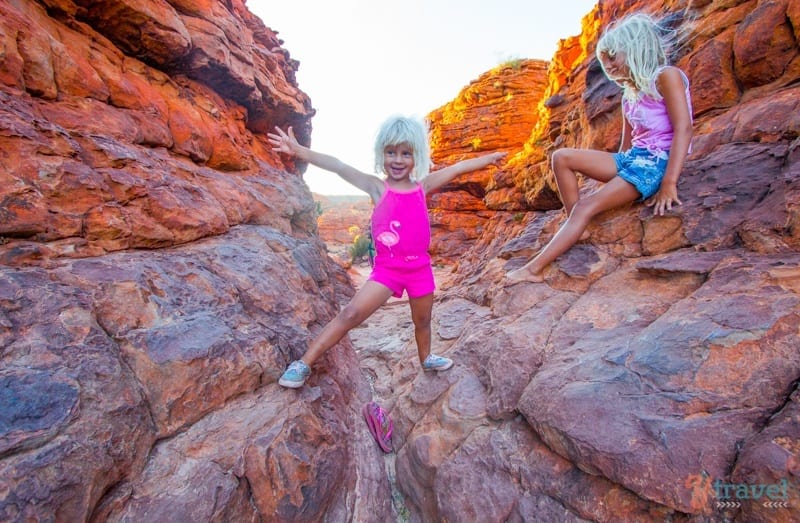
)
(360, 247)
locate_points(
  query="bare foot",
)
(524, 274)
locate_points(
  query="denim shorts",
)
(642, 168)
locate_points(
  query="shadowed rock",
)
(160, 265)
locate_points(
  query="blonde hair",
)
(398, 130)
(646, 45)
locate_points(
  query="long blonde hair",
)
(398, 130)
(646, 45)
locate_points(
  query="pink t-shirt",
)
(651, 128)
(401, 229)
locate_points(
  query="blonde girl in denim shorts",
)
(656, 138)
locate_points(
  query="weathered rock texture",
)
(343, 224)
(659, 361)
(341, 218)
(495, 112)
(159, 268)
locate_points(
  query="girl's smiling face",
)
(616, 66)
(398, 161)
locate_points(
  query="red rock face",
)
(342, 218)
(131, 126)
(159, 267)
(343, 223)
(742, 61)
(655, 356)
(495, 112)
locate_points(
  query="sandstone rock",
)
(764, 45)
(343, 217)
(159, 267)
(137, 376)
(643, 359)
(149, 126)
(495, 112)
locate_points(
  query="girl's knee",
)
(422, 328)
(350, 315)
(561, 157)
(583, 210)
(422, 321)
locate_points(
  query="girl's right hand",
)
(283, 142)
(664, 199)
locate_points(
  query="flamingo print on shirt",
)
(390, 238)
(400, 227)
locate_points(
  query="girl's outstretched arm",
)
(285, 142)
(671, 86)
(438, 178)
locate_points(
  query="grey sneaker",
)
(434, 362)
(295, 375)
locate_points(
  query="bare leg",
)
(567, 162)
(614, 194)
(598, 165)
(421, 310)
(366, 301)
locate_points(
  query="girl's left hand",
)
(663, 200)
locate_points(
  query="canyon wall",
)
(655, 370)
(160, 265)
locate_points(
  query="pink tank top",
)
(401, 230)
(651, 128)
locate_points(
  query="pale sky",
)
(362, 61)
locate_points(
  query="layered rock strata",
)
(160, 266)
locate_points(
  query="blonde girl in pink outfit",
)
(400, 228)
(656, 136)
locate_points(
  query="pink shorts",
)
(417, 281)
